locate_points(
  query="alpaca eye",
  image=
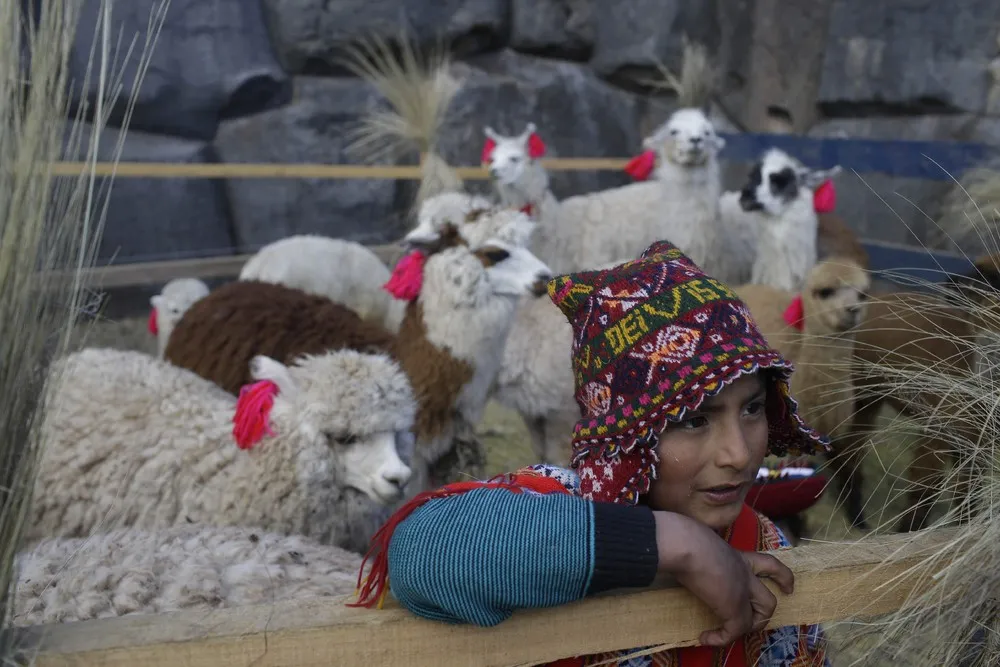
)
(515, 158)
(824, 293)
(673, 133)
(344, 440)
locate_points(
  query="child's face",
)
(709, 461)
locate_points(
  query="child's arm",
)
(478, 556)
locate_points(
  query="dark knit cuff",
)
(625, 554)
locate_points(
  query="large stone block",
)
(151, 219)
(311, 130)
(577, 114)
(632, 36)
(310, 35)
(554, 28)
(912, 53)
(211, 61)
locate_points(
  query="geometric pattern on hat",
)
(652, 338)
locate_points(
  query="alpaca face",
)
(349, 414)
(778, 181)
(173, 301)
(687, 139)
(510, 157)
(835, 296)
(513, 270)
(508, 160)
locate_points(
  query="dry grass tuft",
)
(49, 232)
(419, 88)
(698, 82)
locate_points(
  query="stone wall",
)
(258, 81)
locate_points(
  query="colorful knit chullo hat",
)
(652, 338)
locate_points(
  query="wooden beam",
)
(832, 582)
(890, 259)
(156, 273)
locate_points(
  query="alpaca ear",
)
(156, 301)
(813, 178)
(263, 367)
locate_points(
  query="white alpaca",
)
(585, 231)
(170, 305)
(132, 441)
(194, 567)
(343, 271)
(779, 195)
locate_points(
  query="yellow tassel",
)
(381, 598)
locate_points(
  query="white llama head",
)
(509, 158)
(687, 139)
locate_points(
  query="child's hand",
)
(722, 577)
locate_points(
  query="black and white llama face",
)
(778, 181)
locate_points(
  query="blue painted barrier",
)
(901, 264)
(905, 159)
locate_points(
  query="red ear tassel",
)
(487, 151)
(794, 315)
(641, 166)
(408, 277)
(152, 325)
(825, 197)
(253, 412)
(536, 147)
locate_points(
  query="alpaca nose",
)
(398, 477)
(541, 285)
(695, 141)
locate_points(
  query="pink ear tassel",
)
(536, 147)
(794, 315)
(641, 166)
(487, 151)
(825, 197)
(253, 412)
(408, 276)
(152, 325)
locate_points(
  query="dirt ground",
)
(508, 447)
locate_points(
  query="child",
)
(681, 400)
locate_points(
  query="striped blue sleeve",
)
(476, 557)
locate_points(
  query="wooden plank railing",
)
(832, 581)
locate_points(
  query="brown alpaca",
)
(833, 303)
(903, 334)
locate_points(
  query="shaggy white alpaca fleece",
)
(343, 271)
(134, 441)
(132, 571)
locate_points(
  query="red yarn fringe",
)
(794, 315)
(408, 277)
(825, 197)
(641, 166)
(487, 151)
(152, 324)
(372, 589)
(536, 147)
(253, 411)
